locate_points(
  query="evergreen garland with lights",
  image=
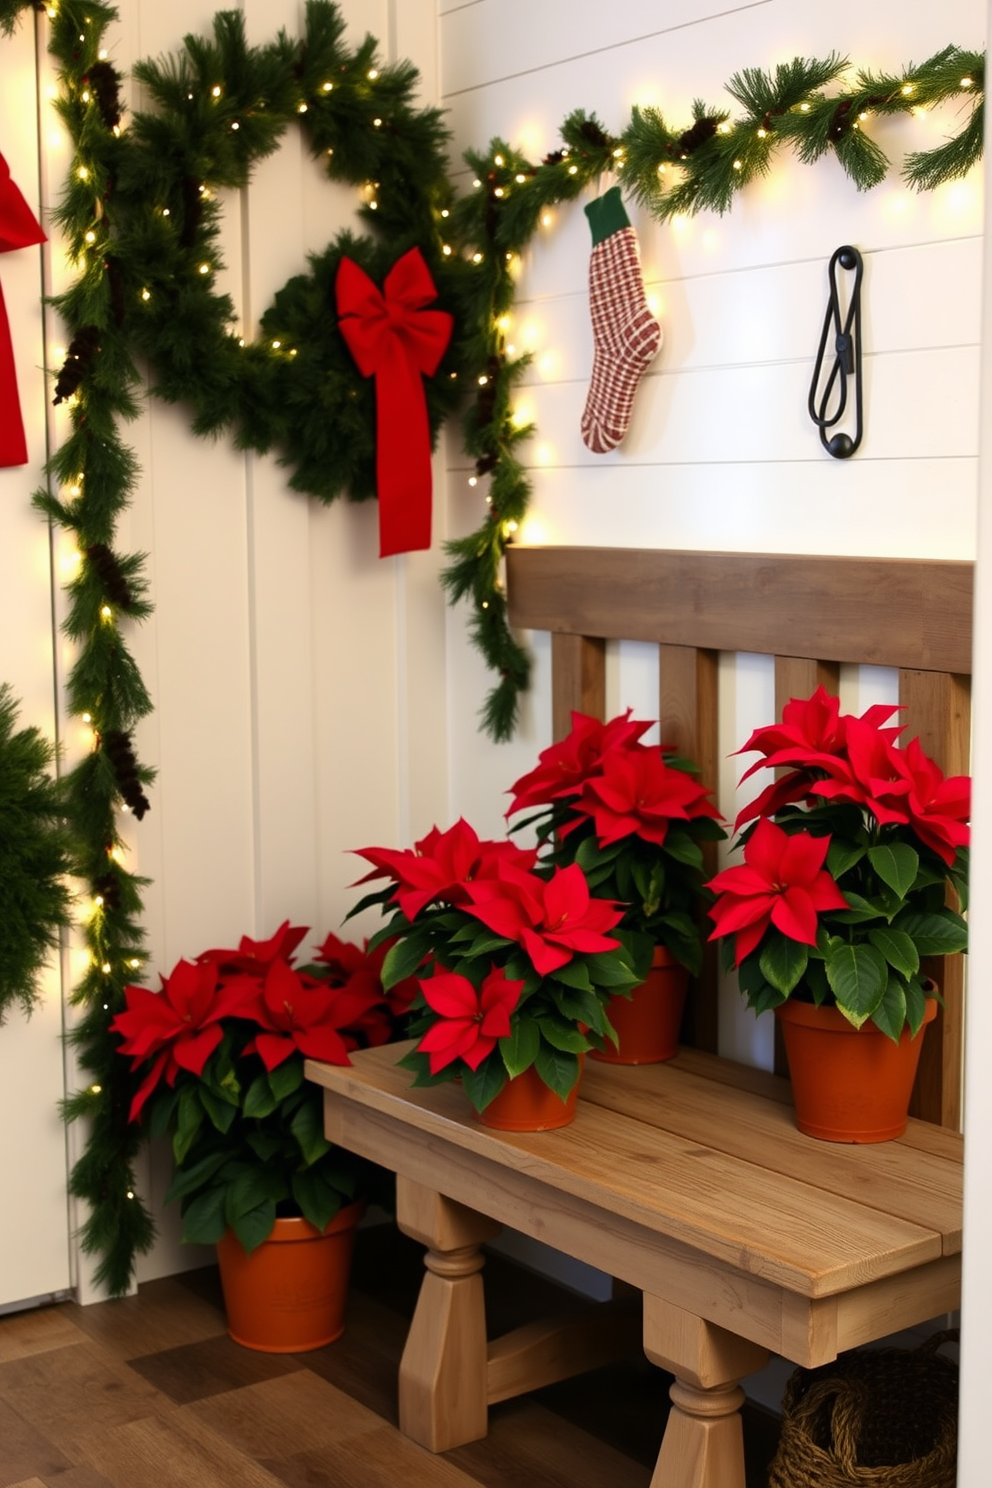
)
(141, 218)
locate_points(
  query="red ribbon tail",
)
(13, 445)
(403, 457)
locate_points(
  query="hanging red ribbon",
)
(394, 339)
(18, 229)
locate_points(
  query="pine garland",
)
(35, 859)
(141, 218)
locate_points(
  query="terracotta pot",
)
(648, 1022)
(526, 1104)
(849, 1084)
(289, 1295)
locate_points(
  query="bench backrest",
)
(811, 614)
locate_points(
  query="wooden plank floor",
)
(149, 1392)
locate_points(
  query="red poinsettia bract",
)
(552, 919)
(441, 865)
(566, 765)
(471, 1022)
(258, 955)
(637, 794)
(295, 1012)
(782, 882)
(178, 1027)
(360, 970)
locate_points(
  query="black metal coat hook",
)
(846, 364)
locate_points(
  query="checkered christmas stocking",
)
(626, 335)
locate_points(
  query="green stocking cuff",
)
(607, 215)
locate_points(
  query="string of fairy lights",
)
(141, 217)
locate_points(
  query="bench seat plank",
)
(890, 1177)
(819, 1243)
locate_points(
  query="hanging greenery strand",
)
(142, 222)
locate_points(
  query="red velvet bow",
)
(394, 339)
(18, 229)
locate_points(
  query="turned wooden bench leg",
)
(443, 1390)
(703, 1445)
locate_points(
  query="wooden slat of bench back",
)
(812, 614)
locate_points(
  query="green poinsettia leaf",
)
(519, 1048)
(608, 969)
(485, 945)
(562, 1035)
(590, 855)
(558, 1069)
(404, 958)
(319, 1200)
(859, 909)
(161, 1111)
(890, 1015)
(189, 1119)
(858, 975)
(259, 1099)
(287, 1077)
(916, 1005)
(783, 962)
(940, 933)
(580, 1007)
(764, 998)
(896, 864)
(684, 849)
(186, 1180)
(485, 1083)
(204, 1221)
(307, 1127)
(269, 1146)
(253, 1226)
(898, 948)
(842, 856)
(575, 974)
(221, 1112)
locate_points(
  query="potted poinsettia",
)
(633, 816)
(217, 1055)
(852, 859)
(515, 969)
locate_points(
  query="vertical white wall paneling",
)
(34, 1251)
(976, 1331)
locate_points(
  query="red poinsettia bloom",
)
(637, 794)
(565, 766)
(178, 1027)
(257, 955)
(782, 882)
(813, 737)
(471, 1021)
(298, 1013)
(873, 775)
(938, 808)
(551, 918)
(441, 864)
(360, 970)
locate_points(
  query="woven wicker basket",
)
(874, 1418)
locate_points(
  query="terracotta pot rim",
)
(832, 1020)
(295, 1227)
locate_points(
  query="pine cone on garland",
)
(107, 570)
(83, 347)
(117, 746)
(104, 81)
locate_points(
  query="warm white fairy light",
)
(446, 249)
(547, 220)
(106, 968)
(445, 212)
(483, 380)
(376, 123)
(473, 480)
(106, 613)
(373, 74)
(907, 89)
(302, 108)
(103, 54)
(276, 345)
(498, 160)
(85, 95)
(89, 237)
(204, 268)
(476, 258)
(725, 128)
(235, 124)
(328, 88)
(95, 1089)
(499, 191)
(967, 82)
(83, 173)
(476, 184)
(214, 91)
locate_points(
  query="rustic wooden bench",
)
(688, 1181)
